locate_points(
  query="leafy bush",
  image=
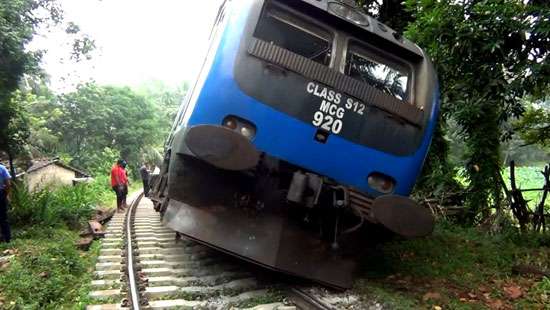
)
(28, 208)
(101, 164)
(62, 206)
(74, 204)
(47, 271)
(101, 188)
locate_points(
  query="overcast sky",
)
(137, 41)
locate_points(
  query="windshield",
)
(387, 78)
(298, 37)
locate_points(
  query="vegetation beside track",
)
(459, 268)
(43, 268)
(529, 177)
(46, 271)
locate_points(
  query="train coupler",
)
(305, 188)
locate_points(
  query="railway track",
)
(143, 266)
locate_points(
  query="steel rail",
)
(306, 301)
(132, 284)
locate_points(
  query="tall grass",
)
(101, 189)
(66, 205)
(47, 271)
(70, 206)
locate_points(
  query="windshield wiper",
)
(320, 53)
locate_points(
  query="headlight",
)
(247, 132)
(381, 183)
(230, 123)
(242, 126)
(348, 13)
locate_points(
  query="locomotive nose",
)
(403, 216)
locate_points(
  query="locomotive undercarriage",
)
(246, 214)
(272, 213)
(316, 204)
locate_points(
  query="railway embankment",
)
(43, 267)
(460, 268)
(453, 268)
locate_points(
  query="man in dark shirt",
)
(4, 191)
(144, 172)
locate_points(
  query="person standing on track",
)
(119, 182)
(144, 173)
(124, 163)
(4, 200)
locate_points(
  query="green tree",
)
(15, 129)
(437, 177)
(42, 140)
(391, 12)
(489, 54)
(94, 118)
(167, 98)
(18, 25)
(20, 21)
(534, 126)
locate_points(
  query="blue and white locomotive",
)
(308, 122)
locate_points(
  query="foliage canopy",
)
(489, 55)
(93, 119)
(20, 21)
(534, 126)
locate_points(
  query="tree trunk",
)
(12, 167)
(519, 205)
(539, 216)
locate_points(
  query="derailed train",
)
(308, 122)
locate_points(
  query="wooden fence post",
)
(539, 221)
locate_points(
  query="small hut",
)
(52, 172)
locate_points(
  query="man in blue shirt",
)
(4, 191)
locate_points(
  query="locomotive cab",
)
(308, 122)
